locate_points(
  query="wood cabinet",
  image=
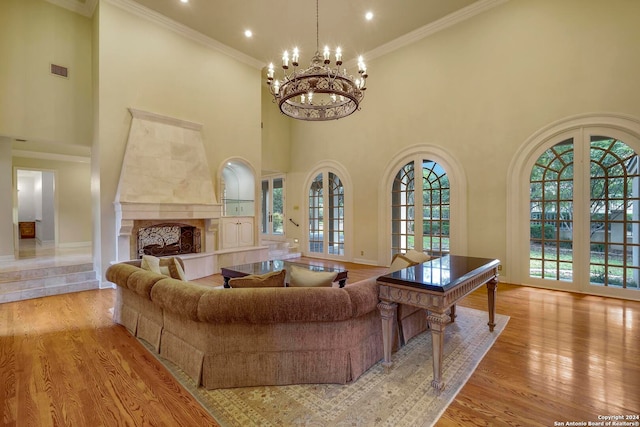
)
(236, 232)
(27, 230)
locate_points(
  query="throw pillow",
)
(416, 256)
(179, 271)
(164, 270)
(274, 279)
(399, 262)
(303, 277)
(150, 263)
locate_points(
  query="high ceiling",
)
(279, 25)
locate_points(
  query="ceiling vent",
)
(59, 70)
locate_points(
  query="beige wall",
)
(34, 104)
(145, 66)
(73, 197)
(276, 135)
(479, 90)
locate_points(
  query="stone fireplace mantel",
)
(165, 176)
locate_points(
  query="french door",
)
(584, 226)
(272, 207)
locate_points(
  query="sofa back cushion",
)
(133, 278)
(274, 279)
(275, 305)
(363, 295)
(178, 296)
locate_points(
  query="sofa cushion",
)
(274, 279)
(303, 277)
(151, 263)
(399, 262)
(417, 256)
(175, 269)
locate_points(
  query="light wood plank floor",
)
(563, 357)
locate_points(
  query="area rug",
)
(401, 397)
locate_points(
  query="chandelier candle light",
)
(320, 92)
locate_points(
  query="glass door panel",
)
(272, 207)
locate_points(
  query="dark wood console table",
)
(436, 286)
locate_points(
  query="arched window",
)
(430, 231)
(551, 223)
(583, 219)
(326, 215)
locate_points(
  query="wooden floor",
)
(562, 357)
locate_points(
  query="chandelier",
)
(320, 92)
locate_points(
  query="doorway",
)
(36, 210)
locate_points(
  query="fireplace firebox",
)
(168, 239)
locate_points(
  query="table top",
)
(440, 274)
(264, 267)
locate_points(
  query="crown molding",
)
(50, 156)
(85, 8)
(159, 19)
(434, 27)
(172, 121)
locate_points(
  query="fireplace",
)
(168, 239)
(165, 179)
(165, 204)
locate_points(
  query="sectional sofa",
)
(226, 338)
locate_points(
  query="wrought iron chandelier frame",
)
(319, 92)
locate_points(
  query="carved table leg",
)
(452, 313)
(437, 323)
(492, 287)
(388, 314)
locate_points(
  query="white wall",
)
(479, 90)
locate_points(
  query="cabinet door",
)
(229, 235)
(245, 232)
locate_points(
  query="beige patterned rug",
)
(402, 397)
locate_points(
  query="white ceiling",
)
(279, 25)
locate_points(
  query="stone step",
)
(40, 282)
(42, 272)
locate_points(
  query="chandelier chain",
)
(317, 29)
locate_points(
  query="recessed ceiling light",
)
(248, 33)
(184, 1)
(368, 16)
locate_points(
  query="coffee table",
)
(277, 265)
(436, 286)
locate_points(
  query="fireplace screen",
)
(168, 239)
